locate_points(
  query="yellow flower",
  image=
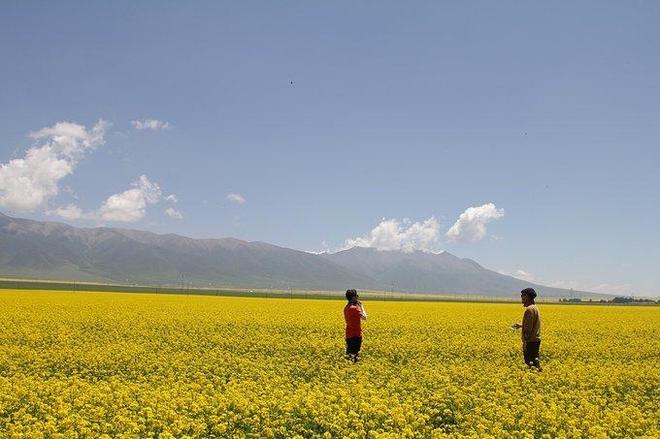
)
(142, 365)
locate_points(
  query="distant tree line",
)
(618, 299)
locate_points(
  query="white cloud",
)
(150, 124)
(127, 206)
(70, 212)
(28, 183)
(130, 205)
(392, 234)
(172, 198)
(471, 225)
(525, 275)
(173, 213)
(236, 198)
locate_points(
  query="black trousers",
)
(353, 345)
(531, 353)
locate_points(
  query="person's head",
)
(351, 295)
(527, 296)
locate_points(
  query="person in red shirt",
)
(354, 313)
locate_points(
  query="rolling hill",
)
(50, 250)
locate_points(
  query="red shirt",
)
(352, 315)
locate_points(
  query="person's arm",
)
(363, 312)
(528, 324)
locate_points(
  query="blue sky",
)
(419, 111)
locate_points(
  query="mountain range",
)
(56, 251)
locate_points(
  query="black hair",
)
(529, 292)
(350, 294)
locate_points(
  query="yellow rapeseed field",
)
(140, 365)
